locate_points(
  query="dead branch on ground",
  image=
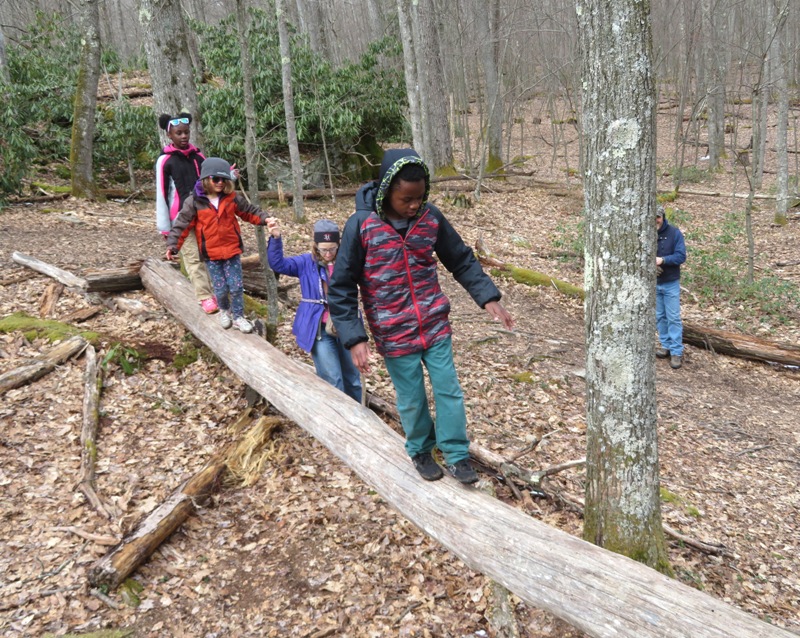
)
(93, 382)
(42, 365)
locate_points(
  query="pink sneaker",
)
(209, 305)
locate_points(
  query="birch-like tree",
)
(166, 44)
(411, 78)
(288, 108)
(85, 105)
(3, 61)
(623, 509)
(714, 17)
(782, 92)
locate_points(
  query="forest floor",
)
(310, 549)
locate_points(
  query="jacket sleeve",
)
(163, 222)
(459, 259)
(343, 287)
(183, 224)
(678, 255)
(280, 264)
(250, 213)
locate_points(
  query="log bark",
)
(740, 345)
(49, 299)
(93, 381)
(64, 276)
(601, 593)
(114, 279)
(40, 366)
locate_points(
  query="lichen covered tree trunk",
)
(85, 104)
(166, 44)
(622, 484)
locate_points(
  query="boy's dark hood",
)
(393, 160)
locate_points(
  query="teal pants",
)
(450, 432)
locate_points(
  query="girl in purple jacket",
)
(312, 326)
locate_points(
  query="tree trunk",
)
(411, 78)
(166, 44)
(288, 108)
(781, 143)
(713, 15)
(85, 105)
(601, 593)
(41, 366)
(623, 507)
(3, 60)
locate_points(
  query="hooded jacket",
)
(176, 173)
(672, 249)
(397, 275)
(217, 229)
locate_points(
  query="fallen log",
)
(720, 341)
(50, 297)
(601, 593)
(133, 550)
(114, 279)
(741, 345)
(64, 276)
(40, 366)
(93, 382)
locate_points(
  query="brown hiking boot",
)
(662, 353)
(675, 361)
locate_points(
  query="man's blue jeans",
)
(334, 364)
(450, 432)
(668, 316)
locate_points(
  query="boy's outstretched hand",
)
(359, 353)
(498, 313)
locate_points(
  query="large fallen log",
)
(729, 343)
(40, 366)
(741, 345)
(113, 279)
(601, 593)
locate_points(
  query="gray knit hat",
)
(325, 230)
(215, 167)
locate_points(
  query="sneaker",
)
(427, 467)
(209, 305)
(225, 319)
(675, 361)
(662, 353)
(242, 325)
(462, 471)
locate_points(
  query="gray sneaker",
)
(225, 319)
(242, 325)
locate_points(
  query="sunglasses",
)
(179, 120)
(219, 180)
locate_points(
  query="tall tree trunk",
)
(782, 90)
(85, 106)
(166, 44)
(251, 153)
(761, 93)
(430, 75)
(623, 510)
(715, 81)
(288, 108)
(411, 78)
(3, 60)
(490, 60)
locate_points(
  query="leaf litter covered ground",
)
(309, 549)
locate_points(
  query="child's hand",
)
(171, 253)
(234, 172)
(274, 226)
(498, 313)
(359, 353)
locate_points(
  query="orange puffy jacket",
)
(217, 229)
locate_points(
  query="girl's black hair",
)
(164, 119)
(410, 173)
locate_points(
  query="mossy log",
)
(597, 591)
(40, 366)
(526, 276)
